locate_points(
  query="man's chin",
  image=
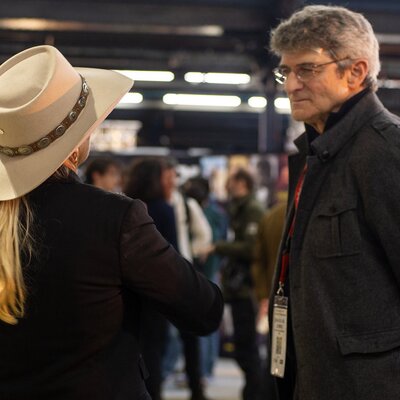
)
(299, 116)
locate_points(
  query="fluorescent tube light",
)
(282, 105)
(389, 83)
(130, 98)
(388, 38)
(42, 24)
(201, 100)
(217, 78)
(257, 102)
(150, 76)
(194, 77)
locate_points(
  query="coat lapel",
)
(296, 165)
(317, 171)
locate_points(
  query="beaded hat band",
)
(56, 133)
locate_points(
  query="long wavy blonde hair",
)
(15, 238)
(16, 222)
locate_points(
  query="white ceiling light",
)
(201, 100)
(150, 76)
(282, 105)
(217, 78)
(389, 83)
(194, 77)
(388, 38)
(257, 102)
(129, 99)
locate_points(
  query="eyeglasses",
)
(303, 72)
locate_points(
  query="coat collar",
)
(332, 140)
(71, 178)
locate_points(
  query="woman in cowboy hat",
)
(75, 262)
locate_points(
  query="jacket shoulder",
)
(93, 194)
(84, 200)
(387, 125)
(383, 128)
(378, 142)
(255, 207)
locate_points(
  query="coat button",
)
(325, 155)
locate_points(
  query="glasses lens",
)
(279, 76)
(306, 73)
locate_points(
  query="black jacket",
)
(99, 254)
(245, 214)
(344, 272)
(163, 215)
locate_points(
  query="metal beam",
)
(129, 15)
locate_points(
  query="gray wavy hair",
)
(341, 32)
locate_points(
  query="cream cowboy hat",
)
(47, 109)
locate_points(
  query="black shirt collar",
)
(334, 117)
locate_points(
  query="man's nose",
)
(293, 83)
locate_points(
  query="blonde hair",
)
(16, 220)
(15, 239)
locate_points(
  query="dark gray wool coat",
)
(344, 269)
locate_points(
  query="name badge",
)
(279, 336)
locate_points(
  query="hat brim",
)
(21, 174)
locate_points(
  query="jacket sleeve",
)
(267, 248)
(244, 247)
(260, 263)
(199, 227)
(151, 268)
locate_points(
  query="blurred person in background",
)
(194, 235)
(244, 214)
(104, 173)
(75, 260)
(198, 189)
(269, 237)
(266, 251)
(338, 272)
(143, 181)
(193, 230)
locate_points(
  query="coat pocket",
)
(370, 362)
(369, 342)
(336, 231)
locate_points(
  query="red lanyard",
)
(286, 251)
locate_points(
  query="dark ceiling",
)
(182, 36)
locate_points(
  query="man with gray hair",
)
(336, 305)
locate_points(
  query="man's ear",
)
(358, 71)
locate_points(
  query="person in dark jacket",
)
(76, 261)
(144, 182)
(339, 263)
(244, 213)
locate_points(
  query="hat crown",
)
(39, 88)
(23, 81)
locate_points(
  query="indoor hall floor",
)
(226, 384)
